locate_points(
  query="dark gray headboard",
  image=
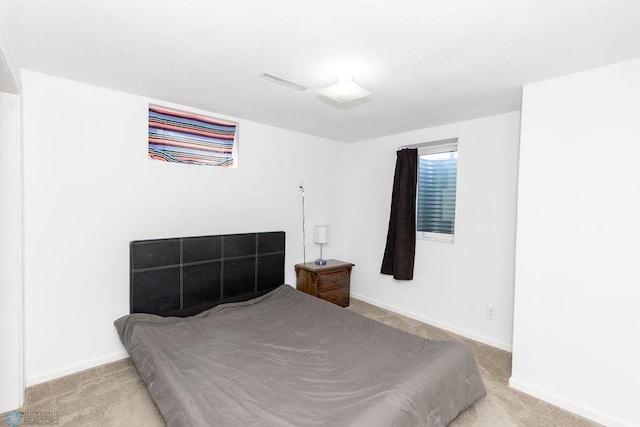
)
(184, 276)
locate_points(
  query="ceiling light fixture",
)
(345, 90)
(282, 81)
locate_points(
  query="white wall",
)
(9, 70)
(90, 189)
(577, 323)
(453, 283)
(11, 372)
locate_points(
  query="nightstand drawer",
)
(337, 279)
(339, 296)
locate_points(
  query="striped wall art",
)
(181, 137)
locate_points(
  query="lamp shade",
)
(321, 234)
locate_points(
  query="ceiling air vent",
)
(282, 81)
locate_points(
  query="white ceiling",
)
(426, 62)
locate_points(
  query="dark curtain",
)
(399, 254)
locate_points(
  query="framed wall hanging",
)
(182, 137)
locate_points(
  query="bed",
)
(263, 353)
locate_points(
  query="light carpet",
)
(114, 394)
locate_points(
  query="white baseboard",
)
(37, 379)
(567, 404)
(441, 325)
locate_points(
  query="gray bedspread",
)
(289, 359)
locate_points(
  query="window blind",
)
(437, 179)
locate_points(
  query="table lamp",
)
(321, 236)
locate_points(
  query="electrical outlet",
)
(490, 313)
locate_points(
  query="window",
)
(437, 177)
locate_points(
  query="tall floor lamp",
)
(321, 236)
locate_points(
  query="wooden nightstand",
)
(329, 282)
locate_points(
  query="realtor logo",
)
(19, 418)
(14, 418)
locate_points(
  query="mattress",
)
(289, 359)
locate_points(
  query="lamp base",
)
(321, 261)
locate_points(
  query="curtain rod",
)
(427, 144)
